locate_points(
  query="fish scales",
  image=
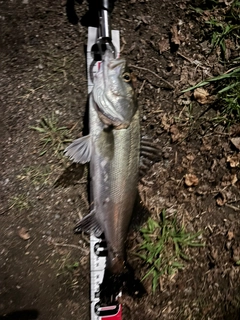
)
(117, 152)
(114, 197)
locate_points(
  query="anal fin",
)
(89, 224)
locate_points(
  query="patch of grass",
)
(38, 176)
(227, 89)
(164, 247)
(19, 202)
(72, 267)
(68, 267)
(69, 273)
(53, 137)
(220, 32)
(224, 33)
(223, 21)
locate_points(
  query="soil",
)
(44, 267)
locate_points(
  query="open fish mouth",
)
(116, 63)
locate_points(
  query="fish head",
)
(113, 92)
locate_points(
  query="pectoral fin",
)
(89, 224)
(80, 150)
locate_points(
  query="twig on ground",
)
(6, 210)
(140, 90)
(70, 246)
(156, 75)
(232, 207)
(196, 62)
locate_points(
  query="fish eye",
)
(126, 77)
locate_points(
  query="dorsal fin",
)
(149, 154)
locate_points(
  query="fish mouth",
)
(112, 61)
(117, 62)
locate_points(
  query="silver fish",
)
(113, 149)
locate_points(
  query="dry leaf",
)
(234, 179)
(230, 235)
(236, 254)
(228, 245)
(227, 53)
(229, 179)
(175, 134)
(145, 19)
(191, 180)
(163, 45)
(221, 199)
(165, 123)
(175, 38)
(23, 234)
(201, 95)
(233, 161)
(184, 76)
(236, 142)
(235, 130)
(190, 157)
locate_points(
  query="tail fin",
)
(126, 282)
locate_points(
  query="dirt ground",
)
(44, 267)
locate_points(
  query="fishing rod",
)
(104, 32)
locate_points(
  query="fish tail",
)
(125, 282)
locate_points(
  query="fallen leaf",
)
(235, 130)
(175, 134)
(165, 121)
(227, 53)
(234, 179)
(191, 180)
(201, 95)
(184, 76)
(214, 254)
(175, 38)
(163, 45)
(221, 199)
(228, 245)
(23, 234)
(229, 179)
(145, 19)
(236, 142)
(230, 235)
(205, 146)
(190, 157)
(236, 254)
(233, 161)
